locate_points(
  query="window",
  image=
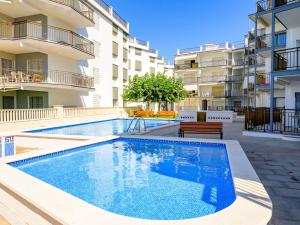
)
(115, 93)
(115, 49)
(115, 72)
(125, 75)
(125, 54)
(152, 60)
(125, 37)
(138, 65)
(152, 70)
(115, 29)
(138, 51)
(35, 102)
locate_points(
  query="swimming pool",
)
(141, 178)
(102, 128)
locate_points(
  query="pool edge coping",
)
(247, 211)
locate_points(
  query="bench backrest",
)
(201, 125)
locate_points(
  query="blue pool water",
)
(101, 128)
(141, 178)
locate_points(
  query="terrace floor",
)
(277, 163)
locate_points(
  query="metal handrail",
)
(138, 122)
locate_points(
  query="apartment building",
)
(59, 52)
(144, 60)
(213, 76)
(274, 55)
(71, 53)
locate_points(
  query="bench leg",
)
(221, 135)
(179, 133)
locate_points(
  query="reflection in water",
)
(144, 179)
(102, 128)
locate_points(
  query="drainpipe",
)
(272, 68)
(255, 61)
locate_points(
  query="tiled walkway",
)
(277, 163)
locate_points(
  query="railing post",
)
(60, 111)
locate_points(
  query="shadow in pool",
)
(205, 165)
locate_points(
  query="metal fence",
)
(284, 120)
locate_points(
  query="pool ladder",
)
(136, 125)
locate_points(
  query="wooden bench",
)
(166, 114)
(200, 128)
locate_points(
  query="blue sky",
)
(173, 24)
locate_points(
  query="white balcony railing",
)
(16, 115)
(36, 31)
(18, 77)
(79, 6)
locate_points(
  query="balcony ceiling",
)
(31, 7)
(16, 9)
(290, 18)
(29, 45)
(62, 12)
(266, 21)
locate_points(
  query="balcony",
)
(238, 62)
(212, 94)
(279, 3)
(16, 79)
(187, 80)
(215, 63)
(264, 41)
(25, 37)
(186, 66)
(234, 93)
(76, 13)
(262, 79)
(287, 59)
(211, 79)
(263, 5)
(235, 78)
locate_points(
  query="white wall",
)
(290, 94)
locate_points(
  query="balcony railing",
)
(104, 5)
(211, 78)
(189, 50)
(284, 120)
(263, 5)
(264, 41)
(31, 30)
(212, 94)
(79, 6)
(186, 66)
(234, 78)
(119, 18)
(238, 62)
(188, 79)
(233, 93)
(212, 63)
(287, 59)
(18, 77)
(262, 79)
(279, 3)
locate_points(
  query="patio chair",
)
(13, 77)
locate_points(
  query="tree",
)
(154, 88)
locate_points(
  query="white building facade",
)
(59, 52)
(143, 59)
(212, 75)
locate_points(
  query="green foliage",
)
(154, 88)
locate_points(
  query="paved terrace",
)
(277, 163)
